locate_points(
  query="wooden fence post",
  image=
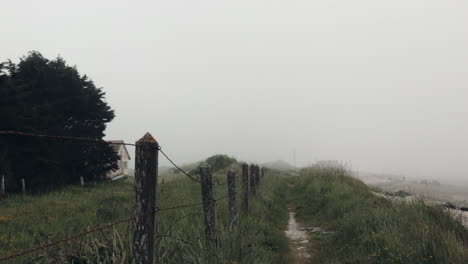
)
(253, 188)
(81, 181)
(231, 179)
(23, 185)
(2, 188)
(245, 188)
(263, 172)
(257, 176)
(146, 179)
(208, 205)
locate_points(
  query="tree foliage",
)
(44, 96)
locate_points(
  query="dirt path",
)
(298, 241)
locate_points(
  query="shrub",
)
(219, 162)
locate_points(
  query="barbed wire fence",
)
(145, 210)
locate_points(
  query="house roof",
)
(117, 144)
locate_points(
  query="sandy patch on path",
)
(298, 241)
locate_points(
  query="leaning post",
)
(146, 179)
(231, 180)
(209, 208)
(245, 188)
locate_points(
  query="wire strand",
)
(64, 137)
(21, 253)
(99, 228)
(177, 167)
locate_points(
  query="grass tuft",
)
(371, 229)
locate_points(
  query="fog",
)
(381, 85)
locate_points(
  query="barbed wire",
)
(178, 207)
(218, 182)
(184, 172)
(188, 205)
(96, 229)
(7, 132)
(21, 253)
(177, 167)
(64, 137)
(99, 228)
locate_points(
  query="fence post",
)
(146, 178)
(245, 188)
(253, 188)
(23, 185)
(2, 188)
(257, 176)
(263, 172)
(81, 180)
(231, 179)
(208, 205)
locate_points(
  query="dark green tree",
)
(219, 162)
(44, 96)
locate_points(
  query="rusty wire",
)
(184, 172)
(96, 229)
(99, 228)
(64, 137)
(177, 167)
(21, 253)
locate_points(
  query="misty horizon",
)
(380, 86)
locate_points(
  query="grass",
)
(370, 229)
(31, 220)
(364, 228)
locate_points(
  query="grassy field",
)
(365, 228)
(28, 221)
(362, 228)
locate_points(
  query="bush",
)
(219, 162)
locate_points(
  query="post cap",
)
(147, 138)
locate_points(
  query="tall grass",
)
(371, 229)
(364, 228)
(31, 220)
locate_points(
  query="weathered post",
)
(2, 187)
(231, 180)
(257, 176)
(23, 185)
(253, 188)
(81, 181)
(263, 172)
(146, 178)
(245, 188)
(208, 205)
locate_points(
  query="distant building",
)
(122, 151)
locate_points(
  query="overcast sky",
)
(380, 84)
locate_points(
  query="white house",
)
(121, 150)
